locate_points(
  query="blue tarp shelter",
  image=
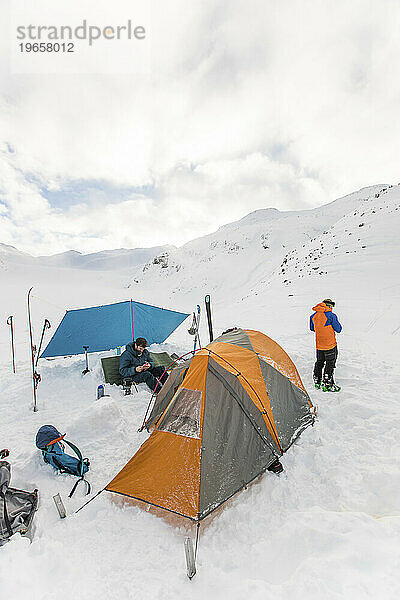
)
(106, 327)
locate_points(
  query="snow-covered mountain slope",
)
(10, 255)
(254, 247)
(367, 232)
(285, 262)
(106, 260)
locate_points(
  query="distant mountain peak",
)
(6, 248)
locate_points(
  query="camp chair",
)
(112, 375)
(17, 507)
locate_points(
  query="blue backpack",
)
(50, 441)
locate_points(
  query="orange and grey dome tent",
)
(221, 419)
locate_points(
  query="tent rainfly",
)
(106, 327)
(221, 419)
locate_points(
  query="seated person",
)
(137, 364)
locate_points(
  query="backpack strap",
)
(78, 454)
(59, 439)
(82, 462)
(88, 487)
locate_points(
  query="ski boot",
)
(330, 386)
(317, 383)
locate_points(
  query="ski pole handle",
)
(46, 325)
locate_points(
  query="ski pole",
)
(46, 325)
(11, 324)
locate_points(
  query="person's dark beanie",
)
(329, 302)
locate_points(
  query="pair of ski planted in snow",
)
(194, 329)
(35, 353)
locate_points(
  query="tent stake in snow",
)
(11, 324)
(191, 554)
(190, 558)
(60, 506)
(86, 369)
(35, 376)
(207, 301)
(46, 325)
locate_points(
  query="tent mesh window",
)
(183, 417)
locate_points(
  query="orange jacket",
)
(324, 322)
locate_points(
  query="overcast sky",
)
(241, 105)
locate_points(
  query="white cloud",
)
(187, 202)
(246, 105)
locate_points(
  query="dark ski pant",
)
(150, 376)
(327, 358)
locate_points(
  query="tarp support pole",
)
(133, 328)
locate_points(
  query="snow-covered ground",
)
(329, 526)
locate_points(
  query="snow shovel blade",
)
(190, 560)
(60, 506)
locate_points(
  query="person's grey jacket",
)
(130, 359)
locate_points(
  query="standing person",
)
(325, 323)
(137, 364)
